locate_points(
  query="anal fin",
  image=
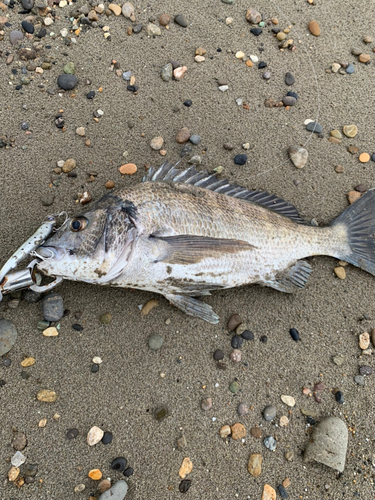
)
(291, 279)
(194, 307)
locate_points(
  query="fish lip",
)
(47, 252)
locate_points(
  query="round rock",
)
(240, 159)
(155, 342)
(8, 336)
(195, 139)
(27, 4)
(180, 20)
(28, 27)
(289, 79)
(270, 443)
(67, 82)
(218, 355)
(242, 409)
(15, 37)
(314, 127)
(269, 413)
(289, 100)
(53, 307)
(116, 492)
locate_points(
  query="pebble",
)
(253, 16)
(336, 133)
(359, 379)
(13, 473)
(256, 31)
(339, 396)
(339, 360)
(155, 342)
(314, 127)
(236, 341)
(53, 307)
(8, 336)
(67, 81)
(282, 491)
(128, 169)
(46, 396)
(69, 68)
(181, 442)
(116, 9)
(153, 30)
(167, 72)
(350, 130)
(15, 37)
(157, 143)
(106, 318)
(27, 4)
(284, 421)
(224, 431)
(180, 20)
(218, 355)
(18, 459)
(94, 435)
(234, 321)
(223, 88)
(339, 169)
(195, 139)
(116, 492)
(109, 185)
(289, 101)
(28, 27)
(288, 400)
(289, 79)
(247, 335)
(269, 413)
(289, 455)
(256, 432)
(184, 485)
(281, 36)
(365, 370)
(364, 58)
(292, 94)
(199, 59)
(262, 65)
(79, 488)
(183, 136)
(350, 69)
(128, 11)
(126, 75)
(314, 28)
(72, 433)
(28, 362)
(50, 332)
(254, 465)
(298, 156)
(164, 19)
(364, 340)
(364, 157)
(96, 474)
(270, 443)
(267, 75)
(188, 103)
(119, 464)
(30, 470)
(234, 387)
(206, 404)
(353, 196)
(104, 485)
(238, 431)
(161, 413)
(335, 67)
(240, 159)
(242, 409)
(19, 441)
(178, 73)
(235, 356)
(186, 467)
(268, 493)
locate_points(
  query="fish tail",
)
(358, 223)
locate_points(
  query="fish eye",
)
(78, 224)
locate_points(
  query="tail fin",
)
(359, 221)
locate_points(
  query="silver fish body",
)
(184, 234)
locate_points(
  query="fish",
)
(184, 234)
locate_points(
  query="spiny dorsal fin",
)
(169, 173)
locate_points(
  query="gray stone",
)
(167, 72)
(195, 160)
(289, 100)
(179, 19)
(338, 360)
(270, 443)
(27, 4)
(116, 492)
(47, 199)
(128, 11)
(359, 379)
(298, 156)
(127, 75)
(289, 79)
(32, 297)
(314, 127)
(53, 307)
(67, 82)
(15, 37)
(350, 69)
(269, 413)
(155, 342)
(328, 444)
(8, 336)
(195, 139)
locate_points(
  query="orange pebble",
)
(249, 63)
(364, 157)
(128, 169)
(100, 89)
(109, 185)
(95, 474)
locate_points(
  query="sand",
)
(329, 313)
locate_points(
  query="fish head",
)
(94, 246)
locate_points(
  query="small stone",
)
(104, 485)
(106, 318)
(267, 75)
(268, 493)
(239, 55)
(350, 69)
(353, 196)
(373, 337)
(282, 491)
(254, 465)
(234, 387)
(28, 362)
(236, 341)
(18, 459)
(167, 72)
(28, 27)
(289, 455)
(238, 431)
(206, 404)
(195, 139)
(116, 9)
(19, 441)
(270, 443)
(46, 396)
(364, 157)
(183, 136)
(51, 332)
(27, 4)
(186, 468)
(69, 68)
(335, 67)
(81, 131)
(161, 413)
(94, 435)
(242, 409)
(128, 11)
(298, 156)
(79, 488)
(155, 342)
(30, 470)
(109, 185)
(364, 340)
(128, 169)
(67, 82)
(15, 37)
(235, 356)
(234, 321)
(256, 432)
(338, 360)
(339, 169)
(180, 20)
(350, 130)
(240, 159)
(269, 413)
(199, 59)
(364, 58)
(178, 73)
(365, 370)
(256, 31)
(284, 421)
(96, 474)
(270, 103)
(8, 336)
(157, 143)
(289, 79)
(223, 88)
(47, 199)
(288, 400)
(181, 442)
(72, 433)
(116, 492)
(336, 133)
(224, 431)
(42, 423)
(53, 307)
(253, 16)
(184, 485)
(153, 30)
(314, 127)
(281, 36)
(314, 28)
(164, 19)
(13, 473)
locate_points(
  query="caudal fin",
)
(359, 222)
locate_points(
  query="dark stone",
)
(161, 413)
(67, 82)
(256, 31)
(184, 485)
(294, 334)
(247, 335)
(276, 30)
(53, 307)
(282, 491)
(132, 88)
(119, 464)
(263, 339)
(91, 94)
(289, 101)
(107, 437)
(373, 157)
(188, 103)
(240, 159)
(77, 327)
(94, 368)
(292, 94)
(30, 470)
(310, 420)
(365, 370)
(27, 4)
(28, 27)
(236, 341)
(180, 20)
(289, 79)
(59, 121)
(218, 355)
(24, 125)
(339, 396)
(42, 33)
(72, 433)
(29, 480)
(361, 189)
(7, 362)
(314, 127)
(262, 65)
(186, 150)
(138, 28)
(128, 472)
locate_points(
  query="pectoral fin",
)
(194, 307)
(188, 249)
(291, 279)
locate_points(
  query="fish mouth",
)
(48, 253)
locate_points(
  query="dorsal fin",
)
(169, 173)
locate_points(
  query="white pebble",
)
(240, 55)
(18, 459)
(229, 21)
(64, 32)
(254, 59)
(223, 88)
(239, 101)
(307, 121)
(97, 360)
